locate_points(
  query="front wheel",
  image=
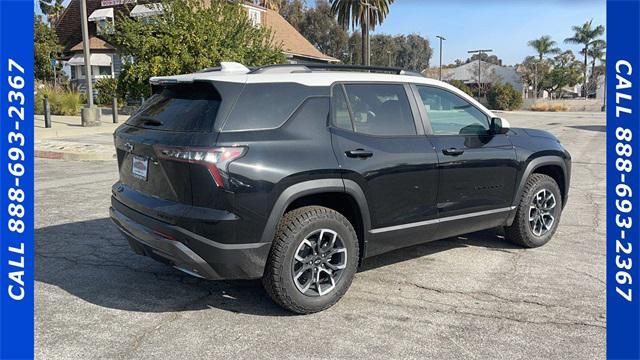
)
(313, 259)
(538, 212)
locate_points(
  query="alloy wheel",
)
(319, 262)
(542, 212)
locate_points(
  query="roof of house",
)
(291, 40)
(95, 43)
(284, 34)
(68, 24)
(468, 73)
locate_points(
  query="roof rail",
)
(292, 68)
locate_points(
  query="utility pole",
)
(389, 53)
(535, 80)
(90, 115)
(479, 52)
(87, 54)
(366, 44)
(440, 73)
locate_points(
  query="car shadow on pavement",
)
(92, 261)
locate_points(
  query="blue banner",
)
(16, 179)
(623, 182)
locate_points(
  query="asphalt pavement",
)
(475, 296)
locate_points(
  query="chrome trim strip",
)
(437, 221)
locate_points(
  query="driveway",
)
(475, 296)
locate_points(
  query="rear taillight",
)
(216, 160)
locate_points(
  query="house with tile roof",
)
(105, 60)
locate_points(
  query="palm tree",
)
(352, 13)
(544, 45)
(597, 52)
(585, 34)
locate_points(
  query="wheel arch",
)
(553, 166)
(344, 196)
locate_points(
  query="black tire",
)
(521, 232)
(279, 271)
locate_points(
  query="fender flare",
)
(531, 167)
(318, 186)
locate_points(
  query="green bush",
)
(504, 97)
(61, 102)
(106, 89)
(462, 86)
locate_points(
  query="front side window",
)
(380, 109)
(449, 114)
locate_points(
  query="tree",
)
(291, 10)
(565, 71)
(585, 34)
(384, 50)
(51, 8)
(491, 59)
(414, 52)
(352, 13)
(45, 48)
(321, 29)
(504, 97)
(189, 37)
(544, 46)
(597, 52)
(534, 71)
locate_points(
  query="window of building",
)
(255, 16)
(103, 19)
(104, 70)
(449, 114)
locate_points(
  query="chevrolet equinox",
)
(296, 173)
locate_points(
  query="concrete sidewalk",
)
(67, 139)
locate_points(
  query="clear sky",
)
(504, 26)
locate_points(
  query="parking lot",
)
(475, 296)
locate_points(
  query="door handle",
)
(453, 151)
(359, 153)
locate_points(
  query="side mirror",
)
(498, 126)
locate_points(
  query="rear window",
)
(268, 106)
(184, 107)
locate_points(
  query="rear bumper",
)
(188, 251)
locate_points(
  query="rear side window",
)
(184, 107)
(380, 109)
(268, 106)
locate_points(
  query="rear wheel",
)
(313, 260)
(538, 212)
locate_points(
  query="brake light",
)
(216, 160)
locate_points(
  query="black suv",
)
(296, 173)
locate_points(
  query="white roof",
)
(238, 73)
(144, 10)
(101, 14)
(96, 60)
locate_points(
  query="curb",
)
(65, 155)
